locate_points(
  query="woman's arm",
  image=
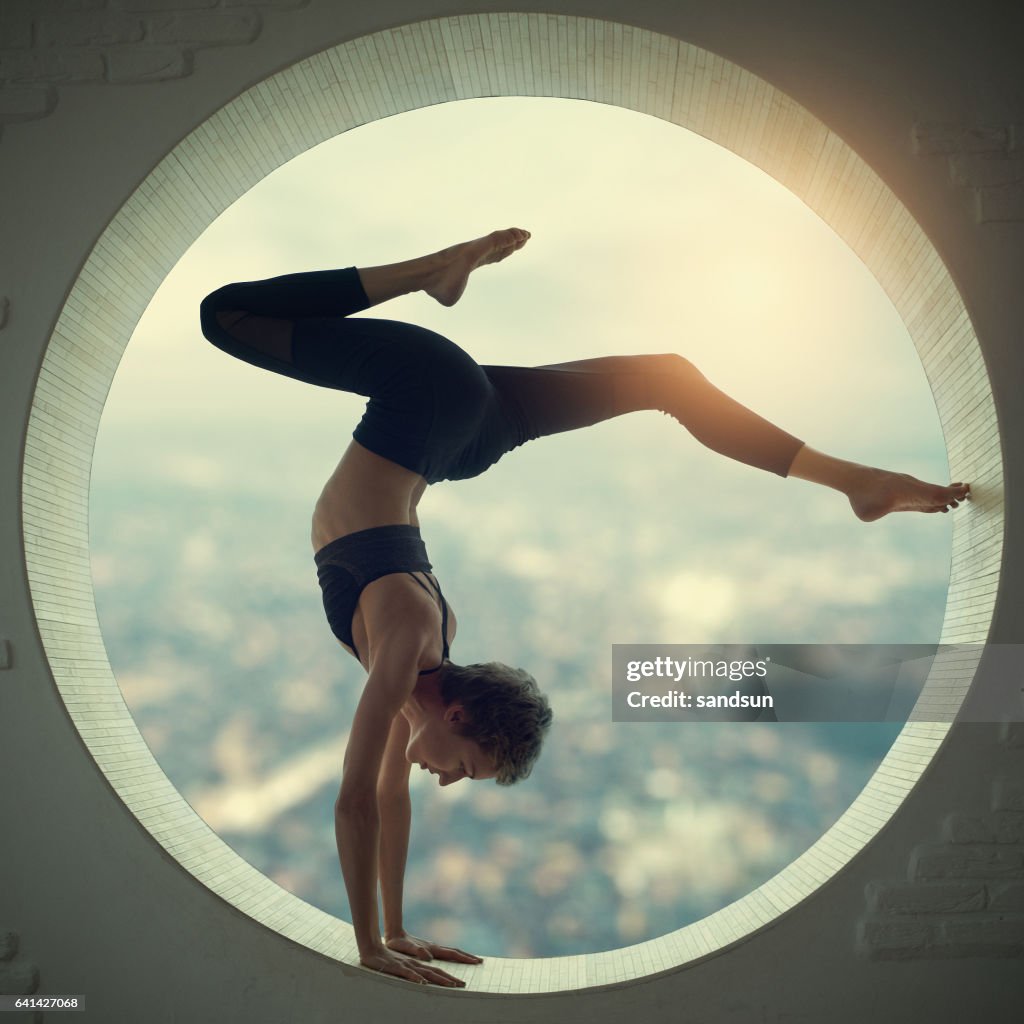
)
(357, 819)
(395, 819)
(395, 810)
(356, 814)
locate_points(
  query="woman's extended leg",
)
(258, 322)
(567, 396)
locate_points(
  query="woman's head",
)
(506, 714)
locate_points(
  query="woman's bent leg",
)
(256, 320)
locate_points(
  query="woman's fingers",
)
(401, 959)
(451, 953)
(422, 975)
(434, 975)
(409, 969)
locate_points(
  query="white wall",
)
(927, 923)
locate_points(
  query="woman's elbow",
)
(358, 805)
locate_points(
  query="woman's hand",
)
(424, 950)
(410, 968)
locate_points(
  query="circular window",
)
(242, 144)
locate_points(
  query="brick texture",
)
(46, 45)
(283, 4)
(163, 5)
(983, 937)
(88, 30)
(987, 161)
(26, 8)
(26, 102)
(998, 827)
(213, 29)
(964, 895)
(937, 139)
(1013, 736)
(1007, 898)
(147, 64)
(984, 172)
(1008, 793)
(927, 898)
(897, 940)
(15, 31)
(18, 977)
(968, 861)
(57, 66)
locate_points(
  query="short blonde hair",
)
(508, 716)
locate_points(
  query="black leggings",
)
(435, 411)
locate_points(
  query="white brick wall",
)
(18, 977)
(50, 44)
(382, 75)
(964, 894)
(25, 103)
(987, 160)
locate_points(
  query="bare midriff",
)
(364, 491)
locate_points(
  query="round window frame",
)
(389, 72)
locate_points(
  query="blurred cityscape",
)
(209, 605)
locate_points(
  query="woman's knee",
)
(671, 364)
(215, 303)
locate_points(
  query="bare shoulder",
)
(395, 653)
(399, 620)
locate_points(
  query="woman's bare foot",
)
(877, 492)
(457, 262)
(874, 493)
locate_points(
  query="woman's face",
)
(436, 746)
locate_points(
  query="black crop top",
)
(346, 565)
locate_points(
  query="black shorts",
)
(432, 409)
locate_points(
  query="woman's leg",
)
(256, 320)
(566, 396)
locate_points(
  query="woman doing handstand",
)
(434, 414)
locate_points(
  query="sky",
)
(645, 238)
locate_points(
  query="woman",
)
(434, 414)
